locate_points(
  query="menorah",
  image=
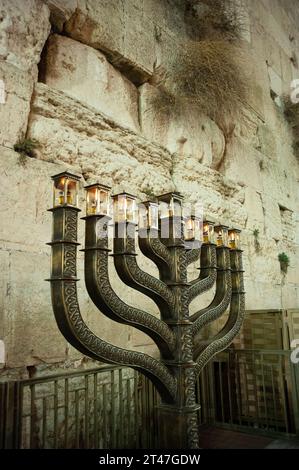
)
(172, 242)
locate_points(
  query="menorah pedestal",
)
(178, 427)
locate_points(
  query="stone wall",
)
(80, 76)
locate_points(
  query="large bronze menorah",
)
(172, 242)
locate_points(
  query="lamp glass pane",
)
(103, 202)
(153, 216)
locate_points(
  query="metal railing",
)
(112, 407)
(254, 389)
(103, 408)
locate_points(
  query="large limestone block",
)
(242, 163)
(24, 28)
(184, 131)
(97, 145)
(31, 334)
(221, 198)
(86, 75)
(15, 107)
(121, 30)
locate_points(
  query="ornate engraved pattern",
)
(202, 285)
(190, 378)
(69, 261)
(160, 250)
(187, 344)
(109, 352)
(192, 256)
(121, 309)
(192, 431)
(216, 311)
(70, 231)
(233, 325)
(148, 282)
(182, 264)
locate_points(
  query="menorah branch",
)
(131, 274)
(208, 272)
(236, 316)
(69, 318)
(222, 296)
(105, 298)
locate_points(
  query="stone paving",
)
(218, 438)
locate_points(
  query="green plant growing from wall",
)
(26, 148)
(284, 262)
(256, 234)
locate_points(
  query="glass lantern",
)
(170, 205)
(65, 191)
(221, 232)
(193, 229)
(124, 208)
(234, 239)
(148, 215)
(97, 199)
(208, 232)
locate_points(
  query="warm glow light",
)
(221, 232)
(193, 229)
(65, 191)
(170, 205)
(234, 239)
(148, 215)
(124, 208)
(208, 232)
(97, 200)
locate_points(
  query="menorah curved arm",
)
(222, 296)
(151, 246)
(208, 272)
(100, 290)
(192, 256)
(77, 333)
(131, 274)
(233, 325)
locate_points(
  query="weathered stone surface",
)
(16, 107)
(24, 28)
(96, 144)
(27, 323)
(182, 131)
(112, 27)
(60, 12)
(85, 74)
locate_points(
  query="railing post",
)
(294, 368)
(10, 405)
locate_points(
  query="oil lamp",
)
(124, 208)
(170, 205)
(65, 191)
(234, 239)
(148, 215)
(97, 199)
(208, 232)
(193, 229)
(221, 232)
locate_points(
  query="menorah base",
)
(178, 427)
